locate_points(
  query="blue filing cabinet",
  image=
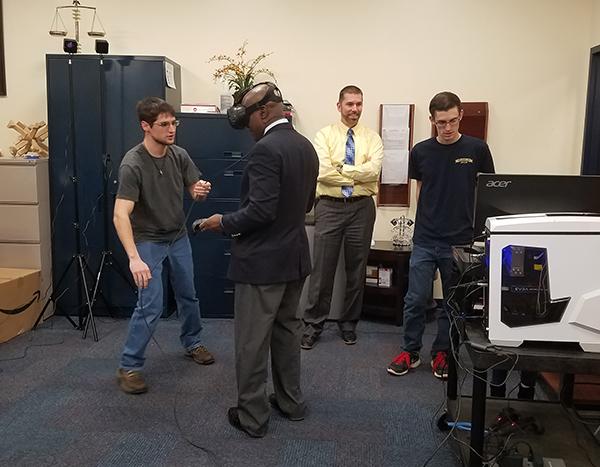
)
(220, 152)
(92, 122)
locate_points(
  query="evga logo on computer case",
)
(498, 183)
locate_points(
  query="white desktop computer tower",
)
(544, 279)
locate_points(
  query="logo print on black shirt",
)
(463, 160)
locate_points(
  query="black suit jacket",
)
(278, 188)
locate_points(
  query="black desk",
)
(545, 357)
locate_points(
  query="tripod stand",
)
(78, 259)
(107, 258)
(82, 267)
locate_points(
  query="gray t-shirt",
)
(156, 187)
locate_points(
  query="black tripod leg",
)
(126, 276)
(70, 320)
(39, 318)
(112, 262)
(97, 291)
(52, 297)
(90, 315)
(88, 318)
(106, 261)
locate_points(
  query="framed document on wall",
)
(2, 64)
(396, 128)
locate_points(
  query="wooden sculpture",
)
(31, 139)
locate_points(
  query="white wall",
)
(595, 23)
(528, 59)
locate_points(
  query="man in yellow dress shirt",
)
(350, 157)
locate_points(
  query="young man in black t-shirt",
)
(445, 169)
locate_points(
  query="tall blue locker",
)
(92, 122)
(220, 153)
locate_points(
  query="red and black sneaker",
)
(404, 362)
(439, 365)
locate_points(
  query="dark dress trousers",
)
(270, 260)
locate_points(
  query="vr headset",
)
(239, 116)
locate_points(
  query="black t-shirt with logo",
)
(448, 173)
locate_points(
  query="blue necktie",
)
(349, 159)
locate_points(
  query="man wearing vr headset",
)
(350, 157)
(270, 259)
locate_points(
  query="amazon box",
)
(19, 301)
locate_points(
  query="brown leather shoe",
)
(131, 382)
(201, 356)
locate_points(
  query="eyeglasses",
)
(174, 123)
(443, 123)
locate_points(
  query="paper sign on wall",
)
(395, 134)
(170, 75)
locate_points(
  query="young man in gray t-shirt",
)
(150, 223)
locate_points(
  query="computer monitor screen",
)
(502, 195)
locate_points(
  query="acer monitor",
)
(503, 194)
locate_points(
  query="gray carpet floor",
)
(60, 405)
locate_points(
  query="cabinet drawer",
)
(214, 290)
(20, 255)
(216, 298)
(20, 223)
(23, 183)
(224, 175)
(211, 136)
(211, 257)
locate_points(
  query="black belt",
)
(350, 199)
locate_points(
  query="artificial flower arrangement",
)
(239, 72)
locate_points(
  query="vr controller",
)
(197, 224)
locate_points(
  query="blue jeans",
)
(423, 263)
(150, 304)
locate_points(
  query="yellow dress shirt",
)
(330, 144)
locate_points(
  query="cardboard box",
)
(19, 301)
